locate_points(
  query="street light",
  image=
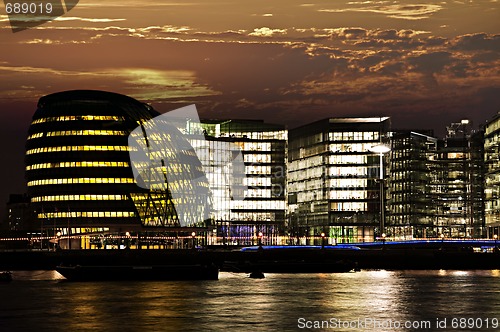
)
(127, 240)
(381, 149)
(193, 235)
(58, 234)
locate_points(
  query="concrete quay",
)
(422, 255)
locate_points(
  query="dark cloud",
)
(433, 41)
(392, 68)
(388, 44)
(460, 69)
(486, 57)
(478, 41)
(430, 62)
(370, 60)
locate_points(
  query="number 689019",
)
(28, 8)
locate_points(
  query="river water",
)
(361, 301)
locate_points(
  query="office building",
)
(492, 176)
(257, 203)
(458, 182)
(19, 214)
(410, 201)
(78, 169)
(334, 179)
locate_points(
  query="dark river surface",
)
(361, 301)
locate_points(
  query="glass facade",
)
(77, 163)
(458, 191)
(477, 185)
(333, 178)
(167, 165)
(259, 205)
(410, 205)
(492, 176)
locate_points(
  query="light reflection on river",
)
(38, 301)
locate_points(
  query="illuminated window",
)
(347, 159)
(354, 136)
(258, 169)
(79, 181)
(85, 214)
(456, 155)
(257, 193)
(257, 182)
(348, 171)
(83, 117)
(371, 136)
(37, 135)
(79, 148)
(348, 206)
(258, 205)
(256, 146)
(87, 197)
(79, 133)
(354, 147)
(78, 164)
(257, 158)
(348, 194)
(492, 126)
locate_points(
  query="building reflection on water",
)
(237, 302)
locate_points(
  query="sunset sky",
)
(424, 63)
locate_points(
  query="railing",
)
(205, 240)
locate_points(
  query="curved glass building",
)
(78, 168)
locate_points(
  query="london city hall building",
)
(78, 170)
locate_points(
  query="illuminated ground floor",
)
(493, 231)
(136, 237)
(231, 234)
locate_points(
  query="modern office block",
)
(19, 214)
(334, 184)
(410, 204)
(256, 204)
(458, 182)
(492, 176)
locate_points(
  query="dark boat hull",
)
(162, 272)
(292, 266)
